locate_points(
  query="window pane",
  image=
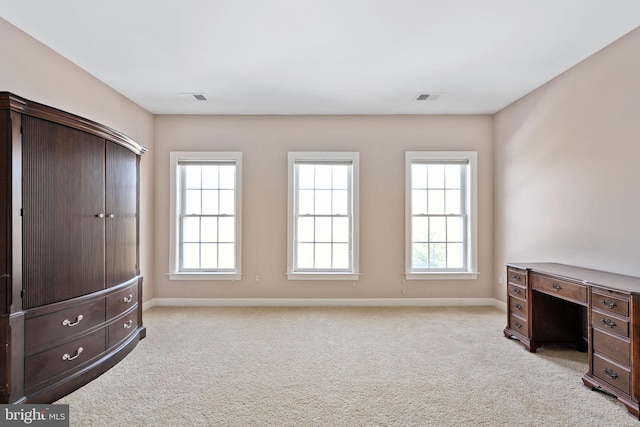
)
(435, 177)
(453, 202)
(420, 229)
(420, 255)
(340, 204)
(226, 232)
(209, 230)
(436, 202)
(209, 256)
(192, 176)
(304, 259)
(437, 229)
(226, 256)
(210, 202)
(341, 255)
(322, 258)
(323, 229)
(306, 202)
(455, 229)
(418, 176)
(305, 229)
(437, 255)
(191, 229)
(323, 176)
(227, 176)
(227, 202)
(192, 202)
(452, 175)
(341, 177)
(323, 202)
(210, 177)
(419, 202)
(341, 230)
(191, 255)
(454, 255)
(306, 176)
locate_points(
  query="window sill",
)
(205, 276)
(323, 276)
(441, 276)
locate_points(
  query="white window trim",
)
(180, 156)
(354, 158)
(472, 203)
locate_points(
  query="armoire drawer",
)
(44, 331)
(121, 301)
(123, 327)
(43, 366)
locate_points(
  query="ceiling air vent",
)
(428, 96)
(189, 96)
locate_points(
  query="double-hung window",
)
(323, 216)
(441, 230)
(206, 215)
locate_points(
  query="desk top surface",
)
(585, 275)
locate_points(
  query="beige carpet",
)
(340, 367)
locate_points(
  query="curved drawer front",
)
(47, 330)
(123, 327)
(122, 301)
(43, 366)
(561, 288)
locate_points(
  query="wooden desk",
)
(596, 311)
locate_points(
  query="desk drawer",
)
(516, 276)
(519, 325)
(612, 373)
(610, 323)
(563, 289)
(610, 302)
(517, 291)
(518, 307)
(611, 345)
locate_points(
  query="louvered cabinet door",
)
(63, 197)
(121, 221)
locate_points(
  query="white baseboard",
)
(324, 302)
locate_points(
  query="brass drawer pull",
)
(518, 306)
(518, 325)
(67, 357)
(608, 323)
(128, 299)
(516, 290)
(128, 324)
(610, 373)
(609, 303)
(67, 322)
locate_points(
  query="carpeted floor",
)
(404, 366)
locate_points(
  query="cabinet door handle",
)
(67, 357)
(111, 216)
(608, 323)
(100, 215)
(128, 324)
(609, 303)
(128, 299)
(610, 373)
(67, 322)
(556, 286)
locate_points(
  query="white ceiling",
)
(324, 56)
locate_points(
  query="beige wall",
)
(381, 141)
(31, 70)
(566, 167)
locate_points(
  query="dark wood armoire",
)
(70, 284)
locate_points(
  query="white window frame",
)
(470, 271)
(177, 157)
(354, 159)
